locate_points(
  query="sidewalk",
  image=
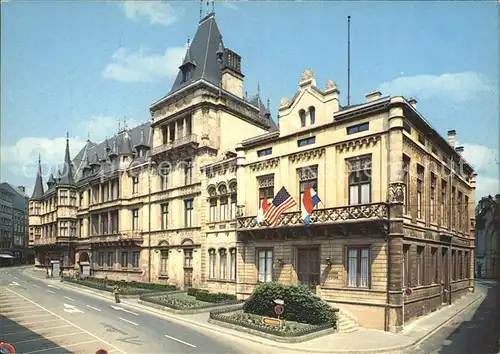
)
(361, 341)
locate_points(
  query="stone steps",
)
(345, 324)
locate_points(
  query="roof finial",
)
(88, 135)
(118, 124)
(189, 41)
(67, 136)
(201, 9)
(125, 122)
(39, 158)
(268, 104)
(208, 4)
(213, 6)
(258, 89)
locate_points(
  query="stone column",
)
(395, 314)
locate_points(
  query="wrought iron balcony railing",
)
(336, 215)
(188, 139)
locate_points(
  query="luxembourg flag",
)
(309, 200)
(260, 215)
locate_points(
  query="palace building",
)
(212, 194)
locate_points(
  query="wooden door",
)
(308, 266)
(188, 277)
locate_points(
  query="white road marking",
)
(68, 346)
(53, 286)
(10, 302)
(70, 299)
(17, 312)
(36, 286)
(118, 308)
(43, 338)
(15, 283)
(181, 341)
(93, 308)
(69, 322)
(23, 317)
(33, 329)
(124, 319)
(29, 323)
(16, 278)
(71, 309)
(24, 281)
(50, 291)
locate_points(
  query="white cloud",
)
(455, 87)
(157, 12)
(486, 164)
(21, 158)
(140, 66)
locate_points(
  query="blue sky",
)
(81, 66)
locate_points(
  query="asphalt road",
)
(37, 317)
(472, 332)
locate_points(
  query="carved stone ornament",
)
(358, 143)
(267, 164)
(307, 75)
(330, 84)
(284, 101)
(396, 192)
(307, 155)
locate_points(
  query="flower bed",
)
(126, 288)
(191, 300)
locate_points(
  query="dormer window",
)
(186, 75)
(302, 115)
(312, 114)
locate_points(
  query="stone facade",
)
(378, 229)
(488, 238)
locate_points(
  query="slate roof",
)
(19, 200)
(38, 189)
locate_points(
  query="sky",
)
(83, 67)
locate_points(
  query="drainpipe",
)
(149, 221)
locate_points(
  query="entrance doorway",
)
(308, 266)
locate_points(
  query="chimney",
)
(21, 188)
(452, 134)
(459, 149)
(413, 102)
(373, 96)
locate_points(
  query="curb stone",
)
(259, 340)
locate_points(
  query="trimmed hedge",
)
(176, 302)
(127, 288)
(220, 315)
(301, 305)
(206, 296)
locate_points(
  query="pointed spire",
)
(52, 181)
(106, 144)
(114, 150)
(38, 190)
(67, 173)
(142, 142)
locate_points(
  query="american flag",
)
(281, 202)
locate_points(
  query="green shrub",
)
(206, 296)
(301, 305)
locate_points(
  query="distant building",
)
(14, 225)
(488, 237)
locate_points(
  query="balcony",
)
(188, 141)
(122, 237)
(338, 215)
(53, 241)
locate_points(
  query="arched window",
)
(232, 252)
(222, 263)
(312, 114)
(302, 115)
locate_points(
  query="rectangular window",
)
(233, 264)
(266, 188)
(223, 208)
(72, 196)
(466, 215)
(264, 152)
(222, 264)
(81, 198)
(421, 139)
(406, 181)
(420, 189)
(63, 228)
(407, 127)
(188, 212)
(406, 265)
(100, 259)
(434, 150)
(454, 265)
(467, 265)
(358, 128)
(460, 211)
(164, 216)
(124, 260)
(452, 207)
(72, 229)
(358, 267)
(188, 258)
(360, 172)
(110, 262)
(164, 174)
(164, 262)
(434, 266)
(63, 197)
(233, 206)
(460, 265)
(420, 265)
(135, 219)
(135, 259)
(265, 265)
(307, 176)
(306, 141)
(81, 230)
(135, 185)
(188, 172)
(211, 264)
(212, 216)
(432, 206)
(442, 203)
